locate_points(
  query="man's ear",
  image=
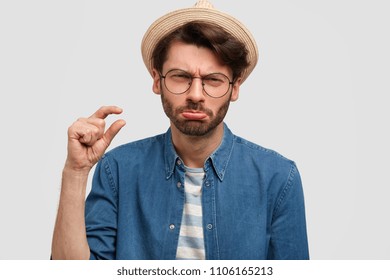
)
(236, 90)
(156, 82)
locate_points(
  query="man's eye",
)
(213, 80)
(180, 77)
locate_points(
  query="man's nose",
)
(195, 92)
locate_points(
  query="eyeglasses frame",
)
(201, 78)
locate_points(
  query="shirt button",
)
(171, 226)
(178, 184)
(207, 184)
(178, 162)
(209, 226)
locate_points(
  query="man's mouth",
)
(193, 115)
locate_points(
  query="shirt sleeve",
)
(288, 230)
(101, 213)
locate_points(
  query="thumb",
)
(113, 130)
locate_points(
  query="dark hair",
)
(230, 51)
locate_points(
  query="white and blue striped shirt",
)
(191, 242)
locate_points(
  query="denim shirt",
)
(252, 202)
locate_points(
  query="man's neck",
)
(194, 150)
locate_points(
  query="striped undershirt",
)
(191, 243)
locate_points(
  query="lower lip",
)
(194, 116)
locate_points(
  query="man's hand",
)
(88, 140)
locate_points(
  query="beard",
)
(192, 127)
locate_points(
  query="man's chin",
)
(195, 128)
(192, 128)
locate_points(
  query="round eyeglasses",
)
(215, 85)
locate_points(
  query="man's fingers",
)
(104, 111)
(85, 132)
(90, 130)
(113, 130)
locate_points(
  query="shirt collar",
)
(218, 160)
(221, 156)
(170, 155)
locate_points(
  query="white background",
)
(317, 96)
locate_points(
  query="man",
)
(197, 191)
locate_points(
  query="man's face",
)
(194, 113)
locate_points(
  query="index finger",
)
(104, 111)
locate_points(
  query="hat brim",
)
(169, 22)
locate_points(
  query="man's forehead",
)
(194, 59)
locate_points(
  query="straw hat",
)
(203, 10)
